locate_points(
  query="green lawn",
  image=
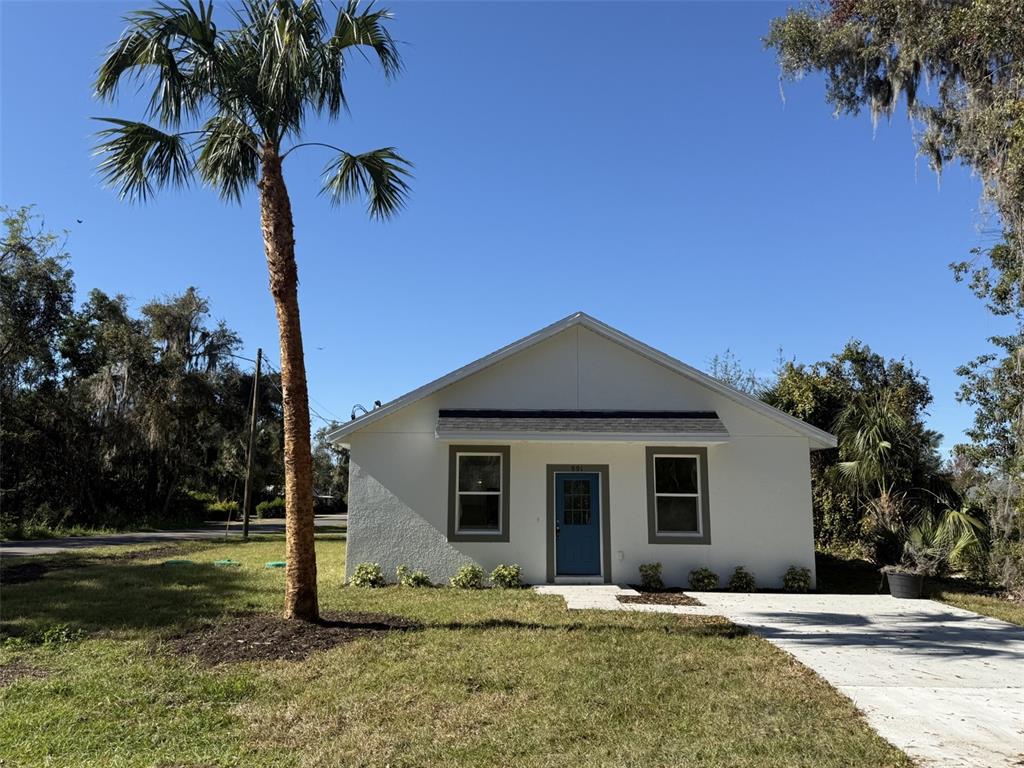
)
(502, 678)
(988, 605)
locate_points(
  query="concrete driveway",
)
(212, 531)
(943, 684)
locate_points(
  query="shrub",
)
(367, 575)
(650, 577)
(409, 578)
(742, 580)
(507, 576)
(703, 579)
(797, 579)
(60, 634)
(223, 508)
(272, 508)
(469, 576)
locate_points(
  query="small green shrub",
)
(797, 579)
(410, 578)
(222, 508)
(272, 508)
(60, 634)
(367, 575)
(469, 576)
(650, 577)
(507, 576)
(703, 579)
(742, 580)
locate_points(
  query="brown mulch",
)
(660, 598)
(18, 670)
(269, 637)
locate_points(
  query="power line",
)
(313, 411)
(329, 422)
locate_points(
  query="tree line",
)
(116, 419)
(968, 55)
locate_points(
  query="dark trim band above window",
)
(471, 505)
(679, 497)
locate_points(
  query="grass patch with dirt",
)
(477, 678)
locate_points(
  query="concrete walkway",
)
(212, 531)
(943, 684)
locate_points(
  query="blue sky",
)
(633, 160)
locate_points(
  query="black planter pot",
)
(908, 586)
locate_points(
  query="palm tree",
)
(229, 106)
(875, 444)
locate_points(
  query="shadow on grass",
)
(127, 595)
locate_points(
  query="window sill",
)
(497, 536)
(678, 538)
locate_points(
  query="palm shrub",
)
(229, 106)
(936, 539)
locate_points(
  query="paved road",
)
(943, 684)
(213, 531)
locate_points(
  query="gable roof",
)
(818, 437)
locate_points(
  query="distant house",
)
(580, 453)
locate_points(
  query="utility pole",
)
(247, 498)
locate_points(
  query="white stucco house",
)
(580, 453)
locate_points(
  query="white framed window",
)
(677, 495)
(479, 492)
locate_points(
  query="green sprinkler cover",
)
(276, 564)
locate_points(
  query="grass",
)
(493, 678)
(853, 576)
(32, 531)
(970, 599)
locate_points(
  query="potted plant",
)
(928, 546)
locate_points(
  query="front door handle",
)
(558, 529)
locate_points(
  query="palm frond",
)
(229, 159)
(137, 158)
(176, 46)
(963, 533)
(379, 176)
(367, 28)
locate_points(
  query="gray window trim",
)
(653, 536)
(605, 511)
(453, 491)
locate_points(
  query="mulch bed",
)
(660, 598)
(269, 637)
(18, 670)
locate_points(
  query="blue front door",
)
(577, 524)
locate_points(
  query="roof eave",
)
(579, 437)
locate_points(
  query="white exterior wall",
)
(760, 496)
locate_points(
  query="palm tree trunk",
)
(300, 601)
